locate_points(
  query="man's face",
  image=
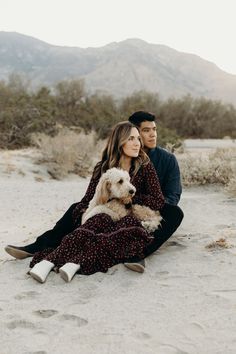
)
(148, 132)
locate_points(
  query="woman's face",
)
(132, 147)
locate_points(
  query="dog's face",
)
(115, 183)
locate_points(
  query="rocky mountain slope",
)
(117, 68)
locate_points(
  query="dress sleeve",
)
(83, 204)
(150, 194)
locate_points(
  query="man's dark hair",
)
(141, 116)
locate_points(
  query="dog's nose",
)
(131, 191)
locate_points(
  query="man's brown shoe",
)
(18, 252)
(136, 266)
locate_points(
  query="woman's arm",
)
(150, 193)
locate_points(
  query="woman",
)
(100, 243)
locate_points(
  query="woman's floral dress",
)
(100, 242)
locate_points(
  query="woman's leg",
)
(99, 223)
(99, 251)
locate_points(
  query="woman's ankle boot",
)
(68, 271)
(41, 270)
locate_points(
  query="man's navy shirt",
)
(168, 172)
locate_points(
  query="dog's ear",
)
(103, 193)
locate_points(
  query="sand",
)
(185, 302)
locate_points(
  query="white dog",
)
(113, 196)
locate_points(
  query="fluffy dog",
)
(113, 196)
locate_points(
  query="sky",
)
(203, 27)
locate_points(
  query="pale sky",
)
(203, 27)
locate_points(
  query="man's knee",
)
(172, 217)
(179, 214)
(172, 213)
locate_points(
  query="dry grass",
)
(69, 152)
(39, 179)
(231, 187)
(222, 243)
(217, 167)
(76, 152)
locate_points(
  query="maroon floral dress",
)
(100, 242)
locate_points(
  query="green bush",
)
(23, 113)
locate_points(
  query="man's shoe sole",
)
(16, 253)
(136, 267)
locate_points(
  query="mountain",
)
(117, 68)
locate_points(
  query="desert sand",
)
(184, 303)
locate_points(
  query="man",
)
(168, 172)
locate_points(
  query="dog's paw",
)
(148, 226)
(151, 224)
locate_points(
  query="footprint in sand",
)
(142, 335)
(129, 283)
(79, 321)
(195, 329)
(222, 227)
(20, 324)
(45, 313)
(175, 243)
(88, 292)
(26, 295)
(228, 294)
(163, 272)
(112, 271)
(170, 349)
(38, 352)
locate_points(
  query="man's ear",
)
(103, 193)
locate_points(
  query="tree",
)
(99, 113)
(140, 101)
(69, 96)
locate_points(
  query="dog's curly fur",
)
(113, 196)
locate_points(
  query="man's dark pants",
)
(172, 216)
(52, 238)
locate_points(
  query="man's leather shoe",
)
(18, 252)
(138, 266)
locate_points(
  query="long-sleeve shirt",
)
(168, 172)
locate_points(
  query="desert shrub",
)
(69, 152)
(222, 243)
(150, 102)
(199, 117)
(214, 168)
(99, 113)
(69, 95)
(168, 138)
(140, 101)
(24, 112)
(231, 187)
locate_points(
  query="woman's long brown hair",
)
(112, 154)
